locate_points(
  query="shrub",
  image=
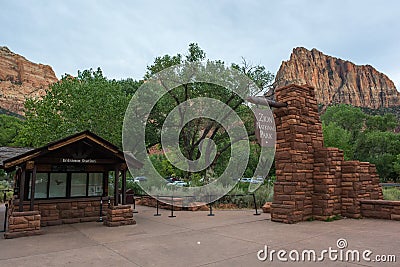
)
(391, 193)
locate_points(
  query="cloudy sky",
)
(123, 37)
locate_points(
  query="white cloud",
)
(123, 37)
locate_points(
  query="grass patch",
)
(333, 218)
(391, 193)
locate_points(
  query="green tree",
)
(194, 132)
(336, 136)
(87, 102)
(10, 128)
(345, 116)
(387, 122)
(364, 137)
(380, 148)
(396, 166)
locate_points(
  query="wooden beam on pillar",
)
(21, 190)
(33, 186)
(124, 187)
(116, 182)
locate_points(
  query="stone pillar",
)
(25, 223)
(299, 133)
(327, 183)
(359, 181)
(119, 215)
(313, 181)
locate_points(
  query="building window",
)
(95, 184)
(40, 185)
(65, 185)
(58, 185)
(78, 184)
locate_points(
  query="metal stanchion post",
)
(6, 218)
(157, 214)
(255, 205)
(101, 210)
(211, 213)
(172, 208)
(134, 204)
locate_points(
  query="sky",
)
(123, 37)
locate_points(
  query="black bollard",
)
(211, 213)
(255, 205)
(172, 208)
(6, 218)
(157, 214)
(101, 210)
(134, 204)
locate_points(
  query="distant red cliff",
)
(21, 79)
(338, 81)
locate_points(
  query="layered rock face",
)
(21, 79)
(338, 81)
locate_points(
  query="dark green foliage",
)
(198, 129)
(364, 137)
(345, 116)
(336, 136)
(92, 102)
(382, 111)
(10, 127)
(87, 102)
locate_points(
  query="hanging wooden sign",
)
(265, 127)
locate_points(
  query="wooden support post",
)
(105, 183)
(124, 187)
(33, 185)
(116, 182)
(22, 190)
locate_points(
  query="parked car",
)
(140, 179)
(178, 183)
(257, 180)
(171, 179)
(245, 180)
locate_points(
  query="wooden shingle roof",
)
(7, 152)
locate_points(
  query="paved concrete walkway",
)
(230, 238)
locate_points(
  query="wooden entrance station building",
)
(65, 181)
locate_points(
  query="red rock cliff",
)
(338, 81)
(21, 79)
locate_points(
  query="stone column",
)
(25, 223)
(299, 133)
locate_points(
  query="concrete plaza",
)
(230, 238)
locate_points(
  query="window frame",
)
(68, 185)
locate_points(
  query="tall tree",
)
(197, 130)
(10, 128)
(87, 102)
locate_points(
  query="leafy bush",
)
(5, 186)
(240, 196)
(391, 193)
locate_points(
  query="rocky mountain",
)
(338, 81)
(21, 79)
